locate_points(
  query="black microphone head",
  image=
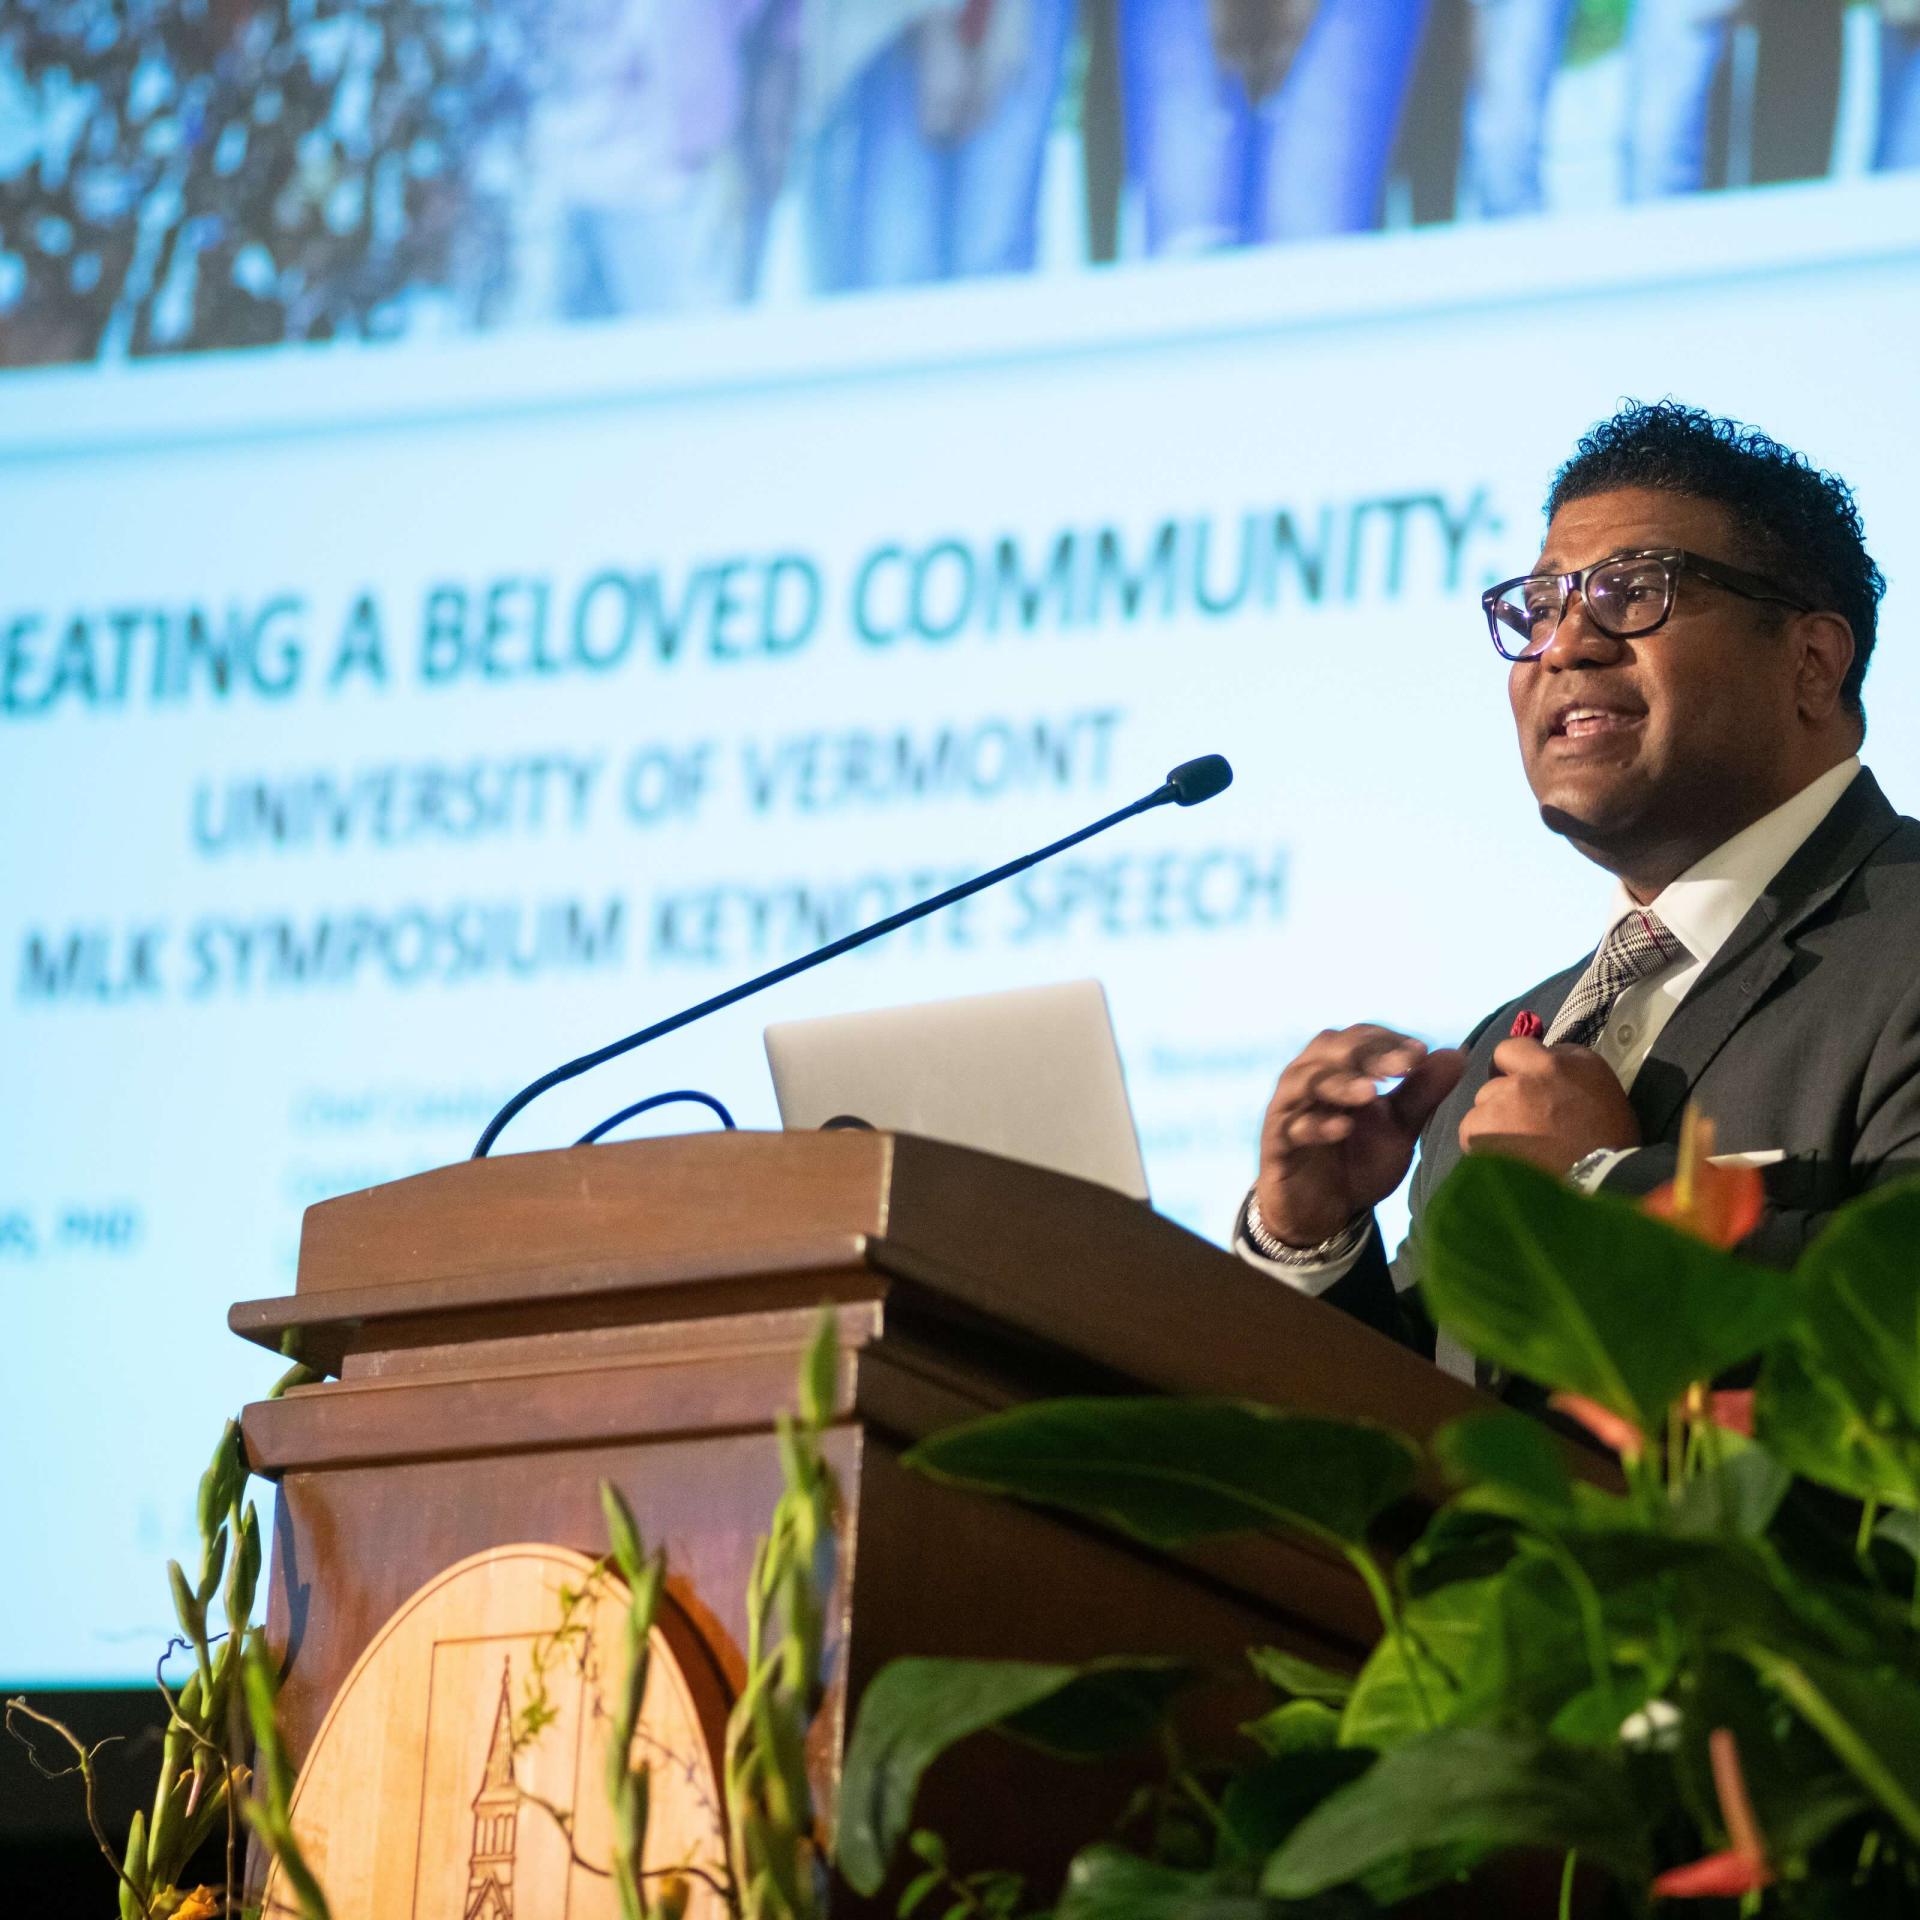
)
(1196, 780)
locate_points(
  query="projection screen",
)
(515, 516)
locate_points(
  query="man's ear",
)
(1825, 645)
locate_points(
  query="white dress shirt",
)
(1701, 909)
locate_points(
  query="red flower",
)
(1743, 1867)
(1720, 1205)
(1734, 1411)
(1602, 1422)
(1731, 1411)
(1719, 1876)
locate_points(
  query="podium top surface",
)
(1087, 1286)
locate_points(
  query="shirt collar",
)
(1704, 905)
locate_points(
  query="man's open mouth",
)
(1585, 722)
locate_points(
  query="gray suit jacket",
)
(1803, 1034)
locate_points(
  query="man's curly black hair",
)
(1797, 526)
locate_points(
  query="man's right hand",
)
(1333, 1146)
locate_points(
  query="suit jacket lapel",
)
(1758, 952)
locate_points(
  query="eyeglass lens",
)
(1624, 598)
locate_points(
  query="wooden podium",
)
(506, 1333)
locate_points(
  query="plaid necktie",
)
(1637, 946)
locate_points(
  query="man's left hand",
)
(1550, 1105)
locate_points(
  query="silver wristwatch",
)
(1585, 1172)
(1260, 1238)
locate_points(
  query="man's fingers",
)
(1521, 1057)
(1472, 1124)
(1513, 1146)
(1498, 1111)
(1415, 1098)
(1311, 1128)
(1354, 1058)
(1367, 1045)
(1338, 1101)
(1341, 1087)
(1386, 1054)
(1327, 1089)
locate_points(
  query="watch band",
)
(1586, 1171)
(1336, 1247)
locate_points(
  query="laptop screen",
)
(1031, 1075)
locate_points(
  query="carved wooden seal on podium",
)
(431, 1792)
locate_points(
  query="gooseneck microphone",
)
(1186, 786)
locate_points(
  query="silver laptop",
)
(1032, 1075)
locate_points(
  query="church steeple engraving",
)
(496, 1818)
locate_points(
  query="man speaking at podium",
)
(1685, 668)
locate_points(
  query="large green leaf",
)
(1808, 1419)
(914, 1710)
(1841, 1403)
(1461, 1794)
(1560, 1656)
(1299, 1679)
(1263, 1806)
(1506, 1454)
(1108, 1883)
(1727, 1591)
(1169, 1471)
(1869, 1715)
(1413, 1679)
(1111, 1705)
(1737, 1496)
(1463, 1541)
(1301, 1726)
(1903, 1529)
(1704, 1584)
(1585, 1293)
(1513, 1646)
(1533, 1662)
(1862, 1282)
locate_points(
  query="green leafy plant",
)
(270, 1811)
(776, 1864)
(1702, 1679)
(775, 1867)
(223, 1732)
(207, 1752)
(626, 1783)
(1698, 1679)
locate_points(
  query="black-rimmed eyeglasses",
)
(1626, 595)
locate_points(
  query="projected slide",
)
(466, 592)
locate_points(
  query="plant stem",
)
(1179, 1774)
(1645, 1486)
(1363, 1564)
(1862, 1761)
(1863, 1539)
(1869, 1853)
(1205, 1801)
(228, 1900)
(1566, 1885)
(83, 1766)
(1593, 1622)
